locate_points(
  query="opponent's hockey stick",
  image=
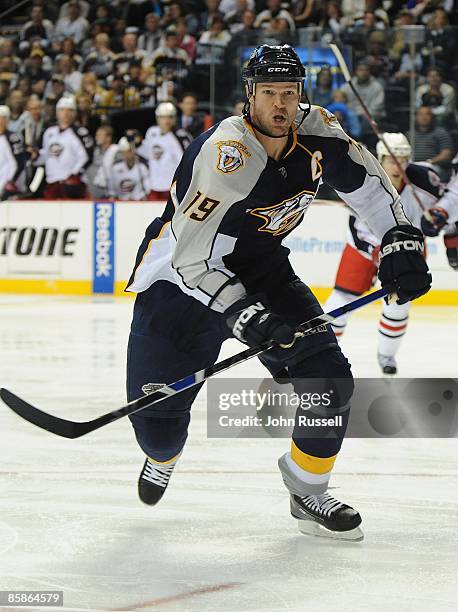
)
(374, 126)
(74, 429)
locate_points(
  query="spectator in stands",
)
(4, 89)
(129, 174)
(150, 40)
(377, 57)
(441, 40)
(37, 27)
(119, 94)
(17, 117)
(246, 36)
(74, 26)
(66, 152)
(370, 90)
(351, 9)
(346, 117)
(99, 171)
(24, 86)
(185, 41)
(72, 77)
(234, 17)
(217, 34)
(101, 60)
(8, 72)
(56, 87)
(306, 12)
(12, 157)
(34, 71)
(188, 119)
(86, 117)
(90, 86)
(34, 126)
(439, 96)
(279, 30)
(68, 47)
(66, 11)
(274, 10)
(322, 94)
(130, 52)
(331, 21)
(163, 147)
(169, 62)
(432, 143)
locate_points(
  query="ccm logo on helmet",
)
(244, 317)
(402, 245)
(277, 69)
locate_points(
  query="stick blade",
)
(55, 425)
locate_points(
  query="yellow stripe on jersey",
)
(309, 463)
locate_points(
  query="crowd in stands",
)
(109, 58)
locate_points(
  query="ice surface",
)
(222, 538)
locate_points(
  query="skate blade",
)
(315, 529)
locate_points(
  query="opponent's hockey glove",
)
(438, 218)
(256, 324)
(451, 244)
(402, 263)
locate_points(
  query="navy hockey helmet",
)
(280, 63)
(270, 63)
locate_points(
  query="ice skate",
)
(387, 363)
(319, 514)
(154, 479)
(323, 515)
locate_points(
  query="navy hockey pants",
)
(173, 335)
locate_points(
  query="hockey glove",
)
(402, 263)
(432, 227)
(451, 244)
(256, 324)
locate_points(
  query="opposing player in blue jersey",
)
(213, 266)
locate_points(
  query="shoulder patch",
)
(328, 117)
(231, 155)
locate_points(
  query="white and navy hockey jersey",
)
(65, 152)
(12, 159)
(129, 183)
(231, 206)
(164, 153)
(428, 188)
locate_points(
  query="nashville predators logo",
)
(281, 218)
(230, 156)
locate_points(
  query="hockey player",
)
(444, 217)
(65, 152)
(12, 158)
(359, 262)
(212, 266)
(163, 147)
(129, 176)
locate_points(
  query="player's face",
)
(65, 117)
(393, 171)
(166, 123)
(274, 106)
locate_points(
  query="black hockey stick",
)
(74, 429)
